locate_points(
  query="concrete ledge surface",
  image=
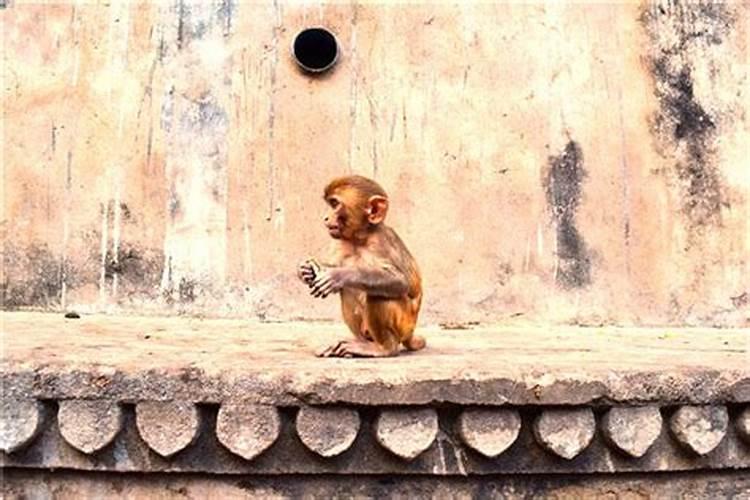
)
(148, 358)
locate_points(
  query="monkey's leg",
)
(415, 343)
(361, 349)
(341, 347)
(353, 303)
(381, 338)
(407, 324)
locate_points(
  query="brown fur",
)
(377, 277)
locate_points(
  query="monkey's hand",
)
(307, 271)
(329, 280)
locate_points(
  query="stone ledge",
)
(132, 359)
(182, 395)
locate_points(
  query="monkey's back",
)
(403, 260)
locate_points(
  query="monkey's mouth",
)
(334, 231)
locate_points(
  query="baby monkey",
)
(372, 270)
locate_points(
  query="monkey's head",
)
(356, 205)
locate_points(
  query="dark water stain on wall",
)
(563, 191)
(32, 277)
(138, 270)
(681, 32)
(187, 290)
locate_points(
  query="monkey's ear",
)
(377, 208)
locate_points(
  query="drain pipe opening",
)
(315, 49)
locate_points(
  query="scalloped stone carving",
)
(566, 433)
(89, 425)
(167, 427)
(489, 431)
(20, 422)
(632, 430)
(407, 432)
(247, 429)
(700, 428)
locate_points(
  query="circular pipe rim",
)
(326, 67)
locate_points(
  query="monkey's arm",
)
(384, 281)
(309, 269)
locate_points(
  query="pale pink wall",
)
(169, 157)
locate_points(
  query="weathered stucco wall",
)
(567, 162)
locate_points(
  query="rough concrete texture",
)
(167, 426)
(406, 433)
(139, 358)
(21, 421)
(327, 431)
(700, 428)
(89, 426)
(632, 430)
(19, 484)
(566, 433)
(490, 432)
(247, 429)
(565, 162)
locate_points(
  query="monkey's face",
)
(344, 218)
(336, 217)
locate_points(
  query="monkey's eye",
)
(333, 202)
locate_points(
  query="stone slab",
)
(19, 484)
(201, 360)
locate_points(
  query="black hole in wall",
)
(315, 49)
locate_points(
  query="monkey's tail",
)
(415, 343)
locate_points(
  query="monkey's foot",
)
(355, 349)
